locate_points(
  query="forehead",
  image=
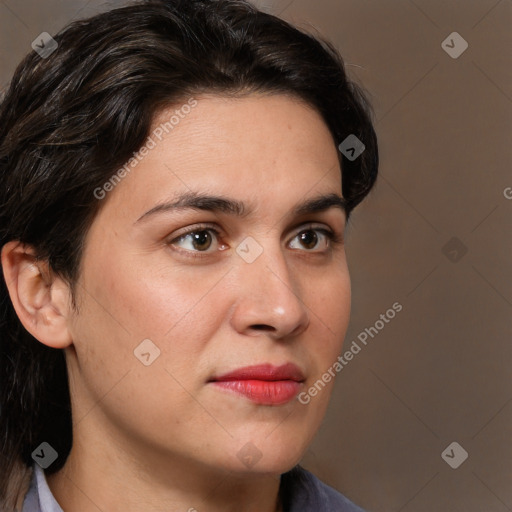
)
(261, 149)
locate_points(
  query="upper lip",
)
(268, 372)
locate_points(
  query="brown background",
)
(440, 370)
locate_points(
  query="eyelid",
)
(318, 226)
(192, 229)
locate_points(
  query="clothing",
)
(39, 498)
(300, 490)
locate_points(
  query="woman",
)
(176, 181)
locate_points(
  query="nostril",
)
(263, 327)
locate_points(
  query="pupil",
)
(202, 240)
(309, 239)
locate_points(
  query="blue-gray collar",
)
(39, 497)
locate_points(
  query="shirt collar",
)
(46, 499)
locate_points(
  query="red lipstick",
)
(263, 384)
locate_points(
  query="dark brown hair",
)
(69, 121)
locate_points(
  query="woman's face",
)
(262, 288)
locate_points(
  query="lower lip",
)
(263, 391)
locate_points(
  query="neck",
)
(94, 479)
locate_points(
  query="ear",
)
(42, 300)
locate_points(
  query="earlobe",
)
(41, 300)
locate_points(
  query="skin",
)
(160, 437)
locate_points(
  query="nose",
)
(268, 298)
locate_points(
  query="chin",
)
(274, 454)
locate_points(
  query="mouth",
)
(263, 384)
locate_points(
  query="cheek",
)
(329, 309)
(330, 313)
(151, 298)
(329, 300)
(123, 304)
(179, 312)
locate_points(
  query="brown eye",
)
(314, 240)
(198, 240)
(201, 240)
(308, 239)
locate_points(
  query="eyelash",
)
(333, 238)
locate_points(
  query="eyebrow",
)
(206, 202)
